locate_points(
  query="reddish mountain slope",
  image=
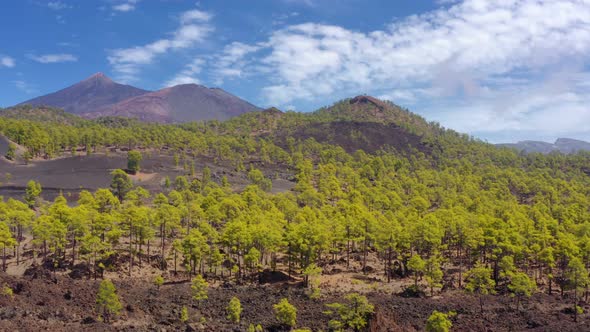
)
(86, 96)
(181, 103)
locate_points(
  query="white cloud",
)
(230, 64)
(58, 5)
(6, 61)
(309, 3)
(193, 28)
(467, 53)
(195, 15)
(24, 86)
(126, 6)
(188, 75)
(53, 58)
(542, 109)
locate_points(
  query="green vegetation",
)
(159, 281)
(285, 313)
(184, 314)
(11, 152)
(312, 278)
(234, 310)
(133, 161)
(6, 291)
(107, 301)
(199, 289)
(506, 222)
(479, 281)
(439, 322)
(6, 241)
(521, 285)
(257, 328)
(121, 183)
(353, 314)
(32, 192)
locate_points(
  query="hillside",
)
(359, 123)
(88, 95)
(181, 103)
(361, 203)
(563, 145)
(40, 114)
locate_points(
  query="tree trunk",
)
(74, 252)
(4, 259)
(481, 303)
(348, 249)
(163, 233)
(130, 249)
(576, 299)
(460, 267)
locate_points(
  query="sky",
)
(500, 70)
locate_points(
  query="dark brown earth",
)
(64, 304)
(367, 136)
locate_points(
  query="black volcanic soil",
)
(72, 174)
(367, 136)
(65, 304)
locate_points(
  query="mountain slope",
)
(40, 114)
(88, 95)
(360, 123)
(563, 145)
(181, 103)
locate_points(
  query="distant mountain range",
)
(563, 145)
(99, 96)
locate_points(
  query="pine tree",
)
(439, 322)
(234, 310)
(521, 285)
(354, 314)
(285, 313)
(6, 241)
(121, 183)
(199, 288)
(159, 281)
(107, 301)
(133, 161)
(11, 152)
(479, 281)
(32, 192)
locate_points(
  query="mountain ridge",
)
(99, 96)
(180, 103)
(91, 93)
(563, 145)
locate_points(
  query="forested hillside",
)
(422, 204)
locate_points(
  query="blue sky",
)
(502, 70)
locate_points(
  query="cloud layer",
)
(466, 55)
(125, 6)
(478, 66)
(54, 58)
(193, 28)
(6, 61)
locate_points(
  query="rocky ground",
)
(43, 301)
